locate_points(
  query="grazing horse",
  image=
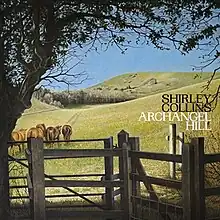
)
(24, 133)
(17, 136)
(35, 133)
(53, 133)
(43, 128)
(66, 131)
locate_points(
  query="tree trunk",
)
(4, 181)
(7, 124)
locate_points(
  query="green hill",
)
(122, 88)
(145, 83)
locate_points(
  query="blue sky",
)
(104, 65)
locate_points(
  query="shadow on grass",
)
(22, 211)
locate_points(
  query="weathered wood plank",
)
(109, 198)
(156, 156)
(214, 191)
(116, 192)
(35, 146)
(188, 182)
(17, 177)
(172, 149)
(135, 184)
(82, 183)
(181, 141)
(198, 144)
(75, 175)
(77, 153)
(148, 186)
(175, 184)
(72, 206)
(127, 187)
(89, 213)
(18, 186)
(211, 158)
(60, 195)
(77, 140)
(135, 146)
(123, 137)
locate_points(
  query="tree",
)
(37, 35)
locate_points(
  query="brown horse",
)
(17, 136)
(67, 132)
(53, 133)
(24, 133)
(43, 128)
(35, 133)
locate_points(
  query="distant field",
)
(99, 121)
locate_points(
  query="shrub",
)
(87, 96)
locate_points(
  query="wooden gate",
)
(131, 174)
(37, 183)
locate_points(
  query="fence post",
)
(126, 178)
(172, 149)
(198, 144)
(123, 137)
(35, 146)
(188, 191)
(181, 141)
(29, 179)
(135, 185)
(109, 198)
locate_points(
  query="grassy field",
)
(99, 121)
(107, 120)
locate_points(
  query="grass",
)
(137, 84)
(108, 120)
(100, 121)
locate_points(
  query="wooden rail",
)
(67, 213)
(73, 153)
(156, 156)
(175, 184)
(211, 158)
(62, 141)
(82, 183)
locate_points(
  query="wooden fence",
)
(131, 173)
(175, 144)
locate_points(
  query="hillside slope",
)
(39, 106)
(91, 122)
(143, 83)
(122, 88)
(108, 120)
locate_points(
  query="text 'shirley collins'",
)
(192, 108)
